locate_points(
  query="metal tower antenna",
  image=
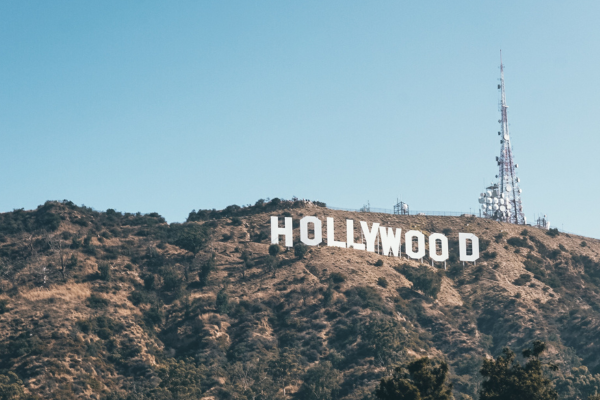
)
(502, 201)
(508, 182)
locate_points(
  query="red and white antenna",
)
(502, 201)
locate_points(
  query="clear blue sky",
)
(173, 106)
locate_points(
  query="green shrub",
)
(11, 387)
(519, 242)
(84, 326)
(3, 306)
(72, 263)
(423, 278)
(337, 277)
(523, 279)
(138, 297)
(498, 238)
(382, 281)
(153, 316)
(300, 250)
(484, 244)
(379, 263)
(149, 281)
(75, 244)
(171, 279)
(104, 333)
(97, 302)
(365, 297)
(104, 271)
(192, 237)
(222, 302)
(274, 249)
(271, 262)
(552, 232)
(206, 269)
(423, 381)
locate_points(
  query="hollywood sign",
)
(388, 239)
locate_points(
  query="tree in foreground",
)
(11, 387)
(420, 380)
(507, 379)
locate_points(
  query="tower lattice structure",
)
(502, 201)
(508, 182)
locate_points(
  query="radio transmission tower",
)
(502, 201)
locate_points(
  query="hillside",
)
(125, 306)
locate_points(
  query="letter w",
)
(389, 241)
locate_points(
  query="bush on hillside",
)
(300, 250)
(274, 250)
(382, 281)
(423, 279)
(104, 271)
(552, 232)
(192, 237)
(522, 280)
(337, 277)
(418, 380)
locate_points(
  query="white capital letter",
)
(304, 231)
(331, 235)
(408, 243)
(389, 241)
(462, 244)
(287, 231)
(433, 247)
(371, 235)
(350, 236)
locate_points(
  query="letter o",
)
(304, 231)
(433, 248)
(408, 242)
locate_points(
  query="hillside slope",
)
(111, 305)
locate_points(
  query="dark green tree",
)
(423, 381)
(207, 267)
(222, 302)
(11, 387)
(271, 262)
(192, 237)
(274, 249)
(104, 271)
(505, 378)
(300, 250)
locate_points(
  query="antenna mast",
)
(508, 182)
(502, 200)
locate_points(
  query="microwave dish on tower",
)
(507, 186)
